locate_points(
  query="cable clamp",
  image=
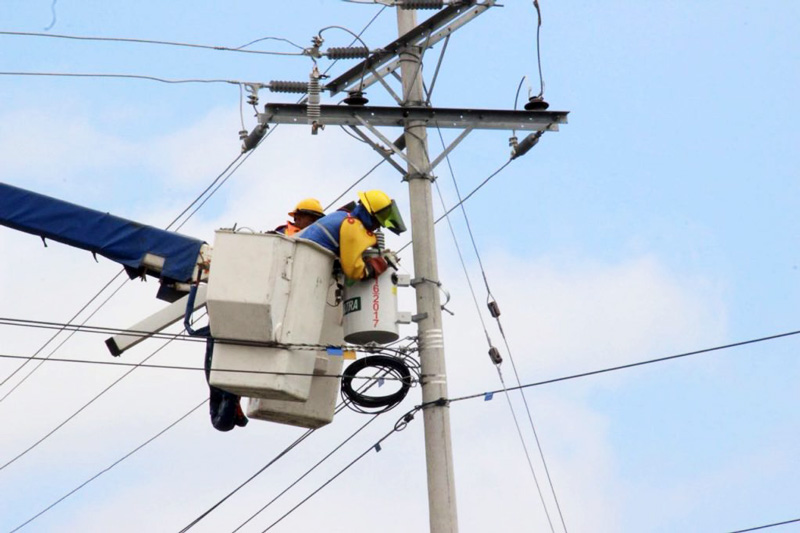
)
(442, 402)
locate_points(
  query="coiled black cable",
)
(365, 403)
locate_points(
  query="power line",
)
(400, 425)
(81, 310)
(76, 413)
(240, 49)
(491, 347)
(776, 524)
(196, 369)
(112, 465)
(126, 76)
(37, 324)
(622, 367)
(65, 327)
(467, 197)
(302, 437)
(251, 478)
(307, 472)
(216, 179)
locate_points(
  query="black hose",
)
(393, 365)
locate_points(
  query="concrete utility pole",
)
(438, 447)
(406, 53)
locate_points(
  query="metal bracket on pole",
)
(384, 152)
(449, 149)
(419, 176)
(386, 86)
(389, 143)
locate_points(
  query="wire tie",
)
(378, 447)
(488, 397)
(333, 350)
(381, 381)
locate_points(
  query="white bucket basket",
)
(318, 410)
(266, 287)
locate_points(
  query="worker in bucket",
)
(305, 213)
(348, 235)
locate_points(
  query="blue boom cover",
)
(120, 240)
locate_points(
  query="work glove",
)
(374, 266)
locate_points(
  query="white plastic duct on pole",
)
(266, 288)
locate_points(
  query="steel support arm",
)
(434, 117)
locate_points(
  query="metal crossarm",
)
(444, 20)
(487, 119)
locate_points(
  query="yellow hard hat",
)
(384, 209)
(310, 206)
(374, 200)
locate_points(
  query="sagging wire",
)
(112, 465)
(494, 354)
(81, 310)
(165, 43)
(286, 450)
(121, 76)
(307, 472)
(60, 329)
(68, 325)
(618, 367)
(538, 47)
(87, 404)
(413, 381)
(368, 348)
(467, 197)
(356, 37)
(400, 425)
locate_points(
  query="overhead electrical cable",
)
(112, 465)
(307, 472)
(97, 295)
(81, 310)
(125, 76)
(240, 49)
(81, 409)
(490, 299)
(195, 201)
(260, 471)
(467, 197)
(767, 526)
(200, 369)
(400, 425)
(623, 367)
(62, 328)
(489, 340)
(538, 47)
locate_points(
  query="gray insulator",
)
(252, 140)
(350, 52)
(494, 355)
(527, 143)
(313, 107)
(421, 4)
(381, 238)
(300, 87)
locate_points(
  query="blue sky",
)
(663, 218)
